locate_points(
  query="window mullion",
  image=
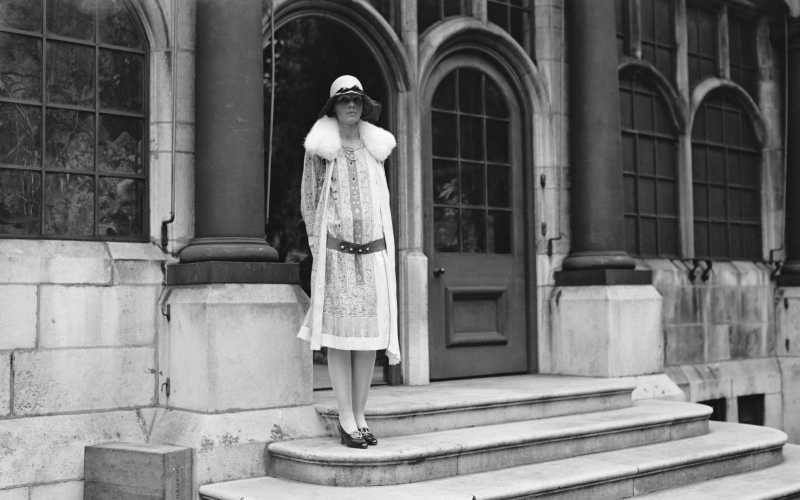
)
(44, 117)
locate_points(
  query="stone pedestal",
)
(605, 331)
(238, 377)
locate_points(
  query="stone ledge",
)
(603, 277)
(205, 273)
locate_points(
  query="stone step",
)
(727, 449)
(779, 482)
(404, 410)
(422, 457)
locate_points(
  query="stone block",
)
(50, 449)
(5, 383)
(70, 490)
(752, 376)
(790, 370)
(185, 101)
(186, 24)
(15, 494)
(707, 382)
(231, 346)
(17, 316)
(659, 386)
(718, 342)
(137, 263)
(83, 379)
(413, 313)
(54, 261)
(755, 302)
(160, 87)
(184, 142)
(79, 316)
(724, 304)
(747, 340)
(684, 344)
(773, 410)
(157, 472)
(161, 137)
(606, 331)
(689, 305)
(231, 446)
(788, 321)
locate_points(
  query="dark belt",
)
(348, 247)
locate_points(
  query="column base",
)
(790, 274)
(605, 331)
(228, 249)
(603, 277)
(598, 260)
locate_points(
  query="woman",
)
(345, 205)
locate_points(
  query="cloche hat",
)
(349, 85)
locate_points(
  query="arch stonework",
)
(739, 95)
(647, 72)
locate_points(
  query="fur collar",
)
(324, 141)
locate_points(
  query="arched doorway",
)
(311, 52)
(474, 226)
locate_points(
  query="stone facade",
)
(86, 348)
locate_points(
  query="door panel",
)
(474, 223)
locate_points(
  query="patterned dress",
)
(356, 306)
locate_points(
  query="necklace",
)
(350, 153)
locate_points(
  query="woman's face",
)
(348, 109)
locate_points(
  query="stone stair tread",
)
(395, 449)
(777, 482)
(453, 395)
(582, 476)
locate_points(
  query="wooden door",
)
(474, 223)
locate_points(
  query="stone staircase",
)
(529, 436)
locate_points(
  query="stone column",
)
(596, 208)
(229, 121)
(790, 273)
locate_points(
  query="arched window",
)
(472, 205)
(72, 120)
(726, 182)
(649, 152)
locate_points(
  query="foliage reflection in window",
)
(72, 120)
(471, 170)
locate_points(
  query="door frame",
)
(482, 62)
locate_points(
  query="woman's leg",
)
(363, 367)
(341, 380)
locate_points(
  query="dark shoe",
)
(368, 436)
(353, 440)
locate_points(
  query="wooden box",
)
(131, 471)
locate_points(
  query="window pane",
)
(69, 205)
(751, 206)
(71, 18)
(719, 240)
(626, 108)
(517, 28)
(708, 34)
(20, 202)
(445, 229)
(20, 135)
(70, 74)
(499, 231)
(452, 8)
(699, 125)
(472, 183)
(629, 183)
(716, 165)
(498, 14)
(499, 186)
(497, 141)
(752, 242)
(750, 171)
(69, 139)
(667, 153)
(648, 237)
(643, 110)
(121, 207)
(445, 95)
(667, 237)
(666, 198)
(445, 181)
(473, 231)
(445, 142)
(737, 242)
(427, 14)
(735, 204)
(700, 197)
(663, 23)
(701, 248)
(647, 196)
(495, 100)
(647, 156)
(471, 142)
(714, 121)
(717, 203)
(631, 236)
(734, 167)
(699, 170)
(664, 62)
(663, 119)
(628, 153)
(120, 147)
(121, 81)
(732, 127)
(648, 30)
(469, 91)
(117, 26)
(21, 15)
(20, 67)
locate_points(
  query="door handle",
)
(438, 271)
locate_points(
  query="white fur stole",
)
(323, 139)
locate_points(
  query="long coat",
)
(323, 144)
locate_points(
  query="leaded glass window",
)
(649, 153)
(515, 17)
(726, 174)
(701, 29)
(742, 54)
(72, 120)
(430, 12)
(658, 35)
(472, 206)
